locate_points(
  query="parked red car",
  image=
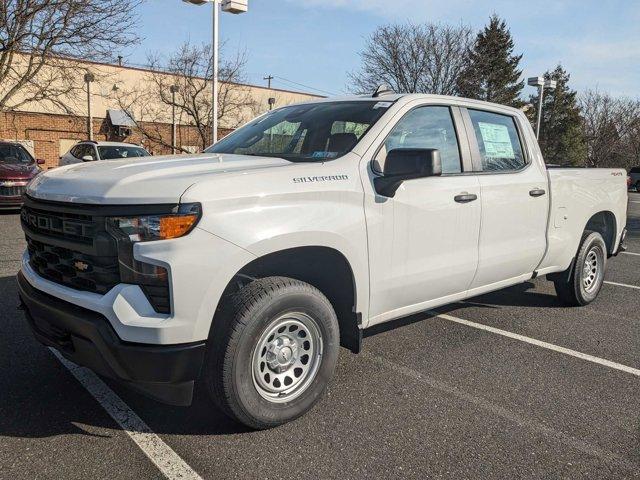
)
(17, 168)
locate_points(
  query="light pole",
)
(173, 89)
(230, 6)
(541, 83)
(88, 78)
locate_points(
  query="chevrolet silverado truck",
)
(247, 266)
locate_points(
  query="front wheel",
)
(273, 352)
(584, 283)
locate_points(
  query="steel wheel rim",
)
(287, 357)
(592, 269)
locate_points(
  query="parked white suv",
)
(90, 151)
(247, 266)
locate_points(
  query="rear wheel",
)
(273, 352)
(582, 285)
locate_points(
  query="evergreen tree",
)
(561, 131)
(492, 72)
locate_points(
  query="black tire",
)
(230, 371)
(570, 286)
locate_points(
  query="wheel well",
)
(324, 268)
(605, 224)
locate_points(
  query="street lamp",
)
(541, 83)
(230, 6)
(88, 78)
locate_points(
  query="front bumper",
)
(164, 372)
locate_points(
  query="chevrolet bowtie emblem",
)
(81, 266)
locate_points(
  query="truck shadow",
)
(39, 397)
(523, 295)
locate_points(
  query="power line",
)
(304, 86)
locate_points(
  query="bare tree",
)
(611, 127)
(414, 58)
(39, 39)
(189, 69)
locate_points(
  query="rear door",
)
(514, 198)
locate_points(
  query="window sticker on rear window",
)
(382, 105)
(497, 143)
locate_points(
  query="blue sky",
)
(316, 42)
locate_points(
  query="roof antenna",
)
(382, 90)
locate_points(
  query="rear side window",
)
(498, 140)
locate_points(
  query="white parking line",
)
(540, 343)
(520, 420)
(161, 454)
(622, 285)
(631, 253)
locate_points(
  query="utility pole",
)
(88, 78)
(173, 89)
(268, 78)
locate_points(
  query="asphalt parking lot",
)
(464, 395)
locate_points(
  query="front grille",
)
(66, 225)
(69, 244)
(14, 191)
(90, 273)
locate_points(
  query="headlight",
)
(146, 228)
(152, 279)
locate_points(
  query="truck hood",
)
(142, 180)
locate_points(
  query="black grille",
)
(14, 191)
(72, 226)
(74, 269)
(69, 244)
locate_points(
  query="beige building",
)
(132, 105)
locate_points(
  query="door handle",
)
(465, 197)
(537, 192)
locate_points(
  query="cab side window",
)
(498, 141)
(425, 127)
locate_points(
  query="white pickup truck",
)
(246, 267)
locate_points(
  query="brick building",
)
(48, 133)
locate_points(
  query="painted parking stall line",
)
(631, 253)
(520, 420)
(162, 455)
(540, 343)
(635, 287)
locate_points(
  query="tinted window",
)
(111, 152)
(635, 170)
(498, 140)
(305, 133)
(426, 127)
(14, 154)
(83, 150)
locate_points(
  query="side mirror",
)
(39, 161)
(87, 158)
(407, 164)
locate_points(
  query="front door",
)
(423, 242)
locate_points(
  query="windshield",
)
(109, 153)
(14, 155)
(305, 133)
